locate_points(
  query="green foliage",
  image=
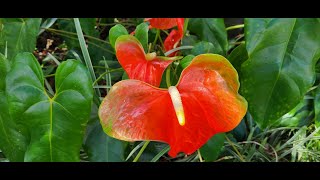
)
(115, 32)
(211, 30)
(13, 139)
(280, 69)
(141, 34)
(55, 124)
(102, 148)
(211, 150)
(276, 61)
(18, 35)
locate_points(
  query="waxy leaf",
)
(13, 139)
(141, 34)
(115, 32)
(134, 110)
(212, 149)
(138, 65)
(102, 148)
(56, 125)
(281, 65)
(18, 35)
(238, 56)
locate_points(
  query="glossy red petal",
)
(135, 62)
(162, 23)
(134, 110)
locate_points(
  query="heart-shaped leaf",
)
(18, 35)
(56, 125)
(280, 69)
(238, 56)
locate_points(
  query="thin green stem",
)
(239, 154)
(235, 27)
(185, 26)
(141, 151)
(103, 74)
(61, 34)
(168, 77)
(50, 75)
(155, 39)
(74, 34)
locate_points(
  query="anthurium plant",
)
(159, 89)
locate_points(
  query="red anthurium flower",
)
(138, 65)
(203, 103)
(166, 23)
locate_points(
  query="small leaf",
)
(141, 34)
(212, 149)
(115, 32)
(56, 125)
(203, 48)
(186, 61)
(211, 30)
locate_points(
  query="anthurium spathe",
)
(138, 65)
(175, 36)
(204, 102)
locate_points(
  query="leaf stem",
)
(235, 27)
(168, 77)
(155, 39)
(141, 151)
(185, 26)
(74, 34)
(103, 74)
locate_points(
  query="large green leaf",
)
(281, 65)
(211, 30)
(56, 125)
(18, 35)
(212, 149)
(13, 141)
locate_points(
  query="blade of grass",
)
(134, 150)
(160, 154)
(86, 57)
